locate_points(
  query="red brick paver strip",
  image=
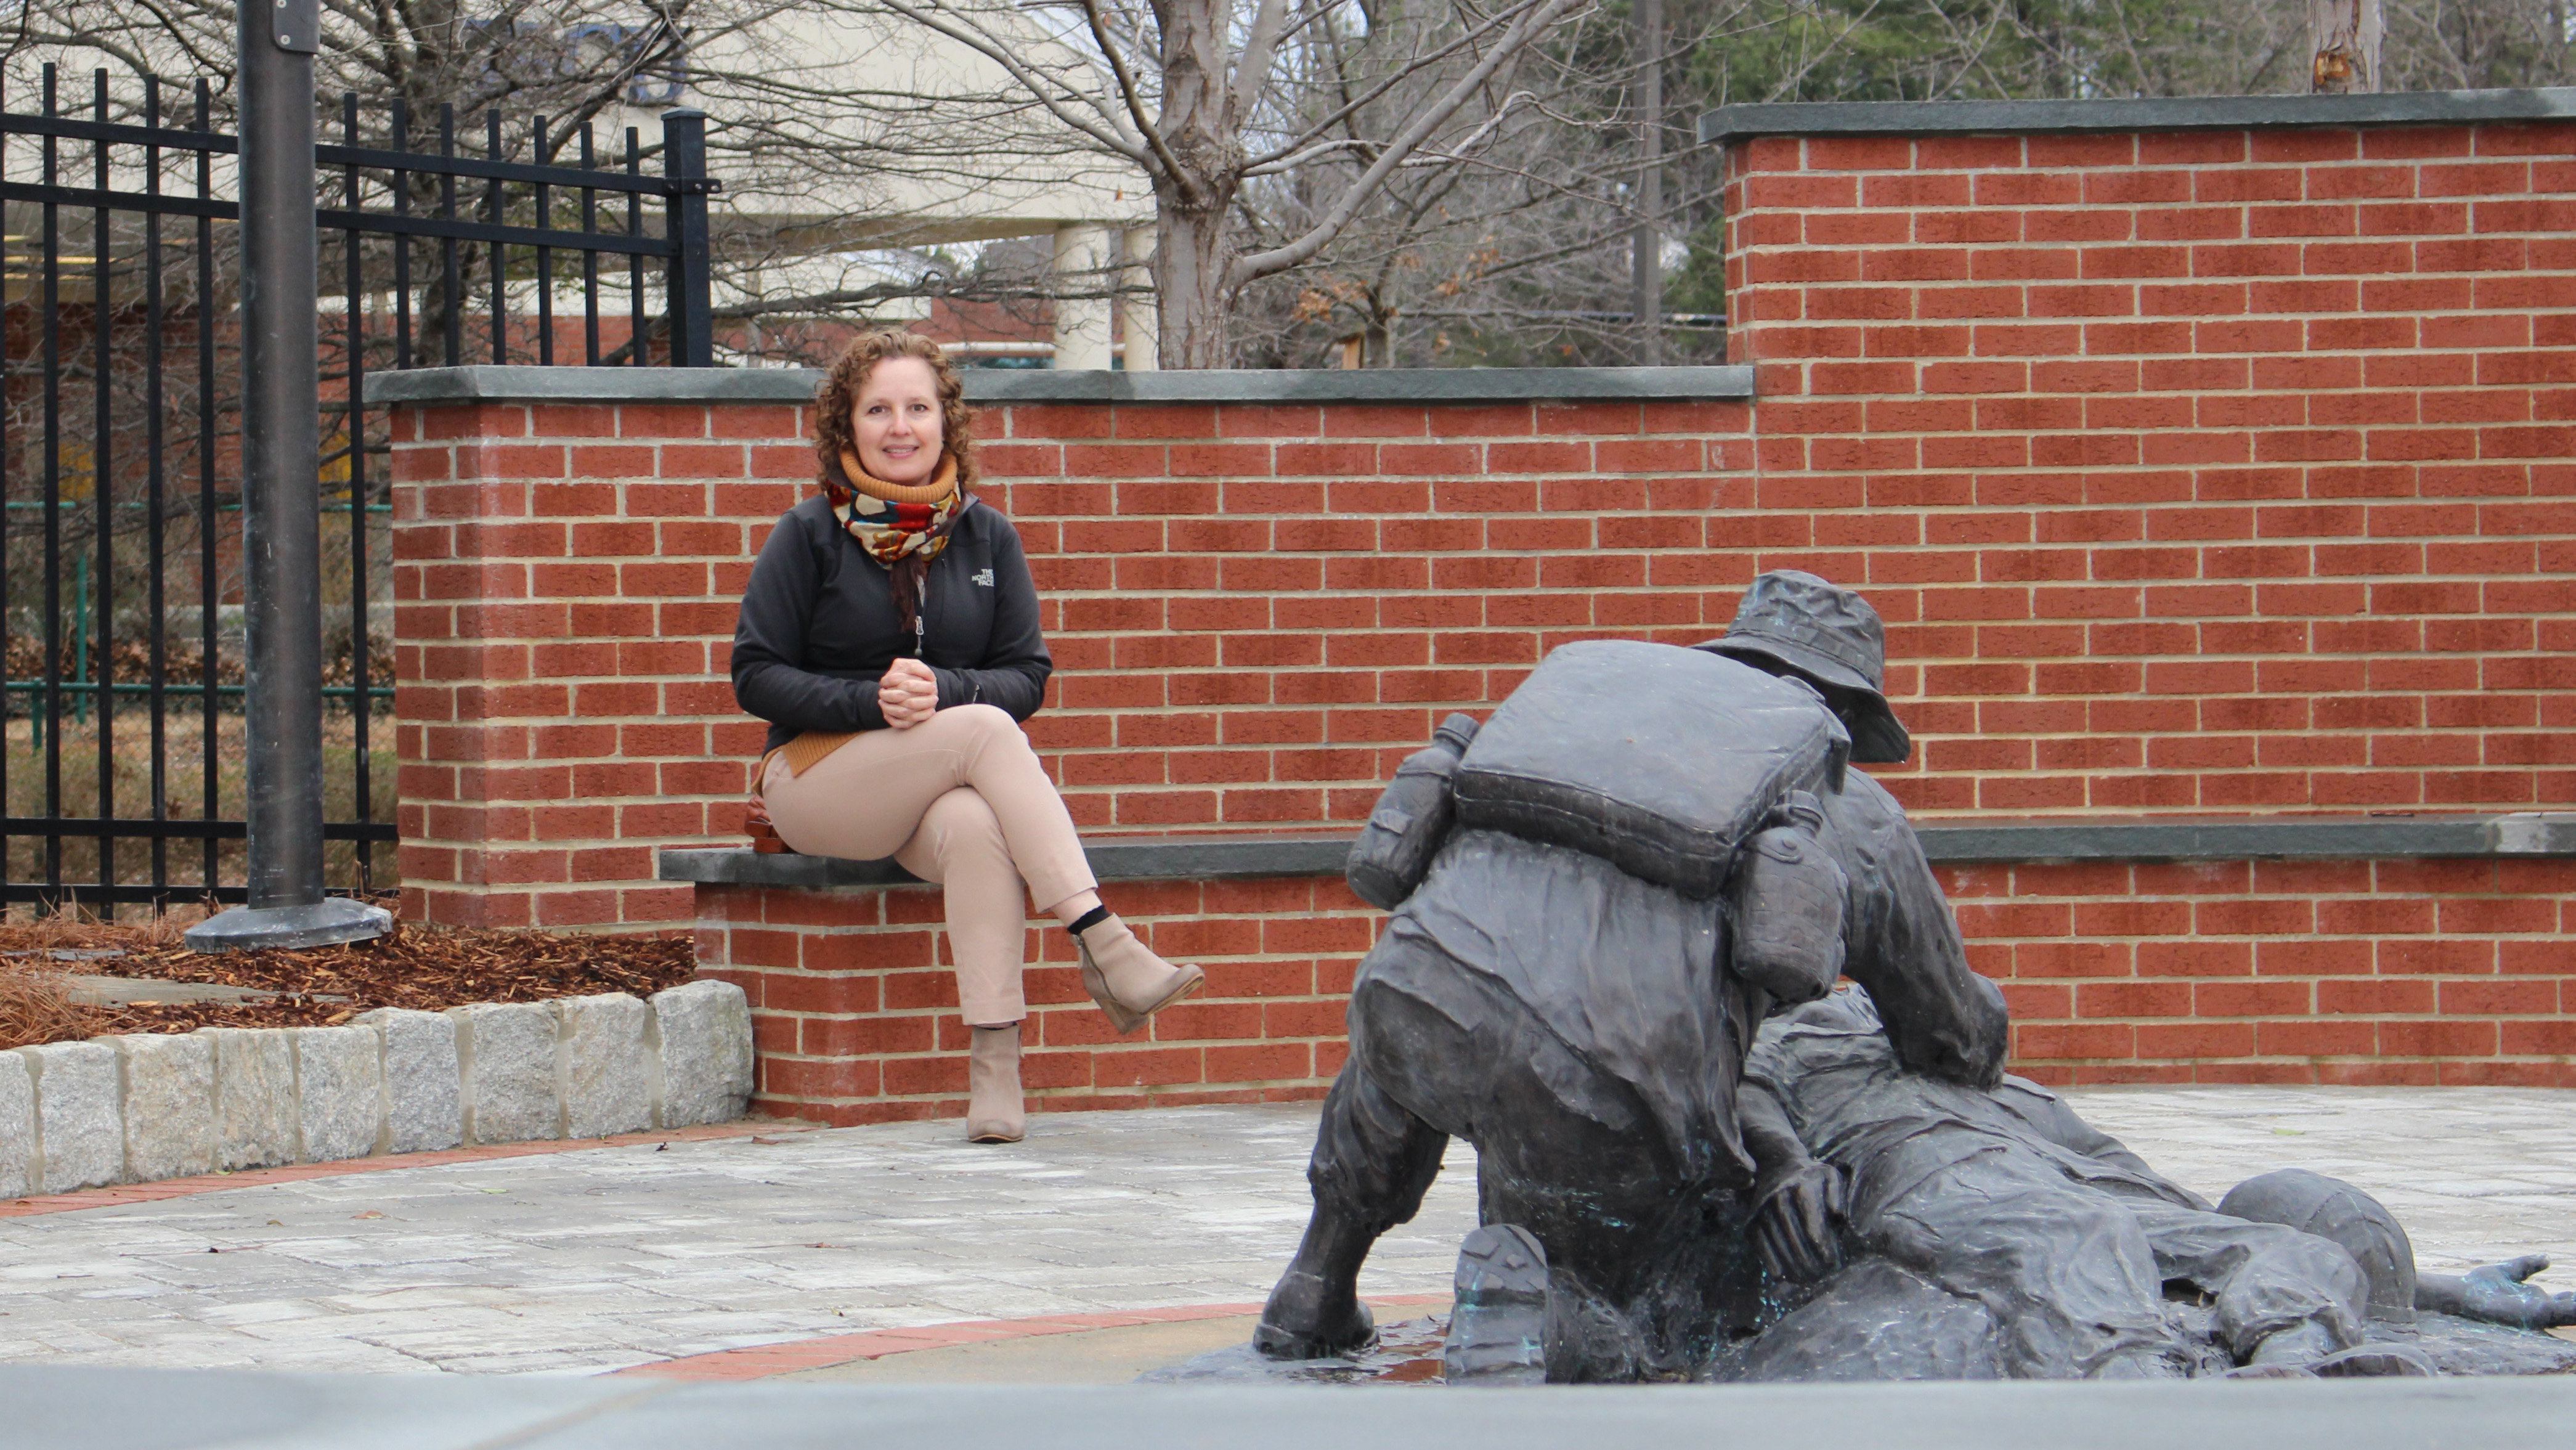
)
(763, 1360)
(126, 1193)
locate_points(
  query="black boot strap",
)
(1089, 919)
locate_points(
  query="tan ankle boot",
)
(1129, 982)
(994, 1111)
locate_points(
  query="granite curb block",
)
(254, 1097)
(17, 1126)
(701, 1050)
(506, 1055)
(339, 1092)
(603, 1065)
(169, 1105)
(80, 1120)
(144, 1108)
(424, 1099)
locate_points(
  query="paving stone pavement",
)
(585, 1261)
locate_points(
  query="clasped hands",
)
(909, 693)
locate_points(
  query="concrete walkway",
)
(580, 1262)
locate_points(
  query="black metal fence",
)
(120, 539)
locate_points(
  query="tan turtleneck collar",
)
(940, 486)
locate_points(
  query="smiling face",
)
(895, 422)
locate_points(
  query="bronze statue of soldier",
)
(1597, 897)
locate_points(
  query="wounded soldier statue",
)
(1686, 981)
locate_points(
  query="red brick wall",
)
(2217, 472)
(1255, 612)
(854, 1008)
(2414, 972)
(565, 584)
(2313, 972)
(2206, 474)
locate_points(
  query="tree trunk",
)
(1194, 250)
(1190, 260)
(2344, 35)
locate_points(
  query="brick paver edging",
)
(36, 1203)
(760, 1361)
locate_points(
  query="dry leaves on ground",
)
(35, 1007)
(424, 968)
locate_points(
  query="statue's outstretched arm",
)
(2497, 1294)
(1904, 945)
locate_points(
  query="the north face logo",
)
(985, 578)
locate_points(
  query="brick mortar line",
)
(123, 1194)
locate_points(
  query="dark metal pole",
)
(281, 499)
(1647, 260)
(684, 161)
(281, 460)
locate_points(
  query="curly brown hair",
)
(838, 395)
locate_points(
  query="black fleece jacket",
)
(819, 625)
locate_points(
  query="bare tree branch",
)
(1261, 264)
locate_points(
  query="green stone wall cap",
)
(2175, 113)
(1250, 386)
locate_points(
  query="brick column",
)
(566, 575)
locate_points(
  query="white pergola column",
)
(1138, 316)
(1082, 324)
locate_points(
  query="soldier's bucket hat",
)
(1830, 635)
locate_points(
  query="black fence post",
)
(684, 164)
(281, 500)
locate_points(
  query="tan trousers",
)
(959, 799)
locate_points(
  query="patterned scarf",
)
(902, 526)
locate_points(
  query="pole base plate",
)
(328, 922)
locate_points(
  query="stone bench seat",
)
(1113, 858)
(2159, 838)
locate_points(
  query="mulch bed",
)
(425, 968)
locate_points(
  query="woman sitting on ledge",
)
(890, 637)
